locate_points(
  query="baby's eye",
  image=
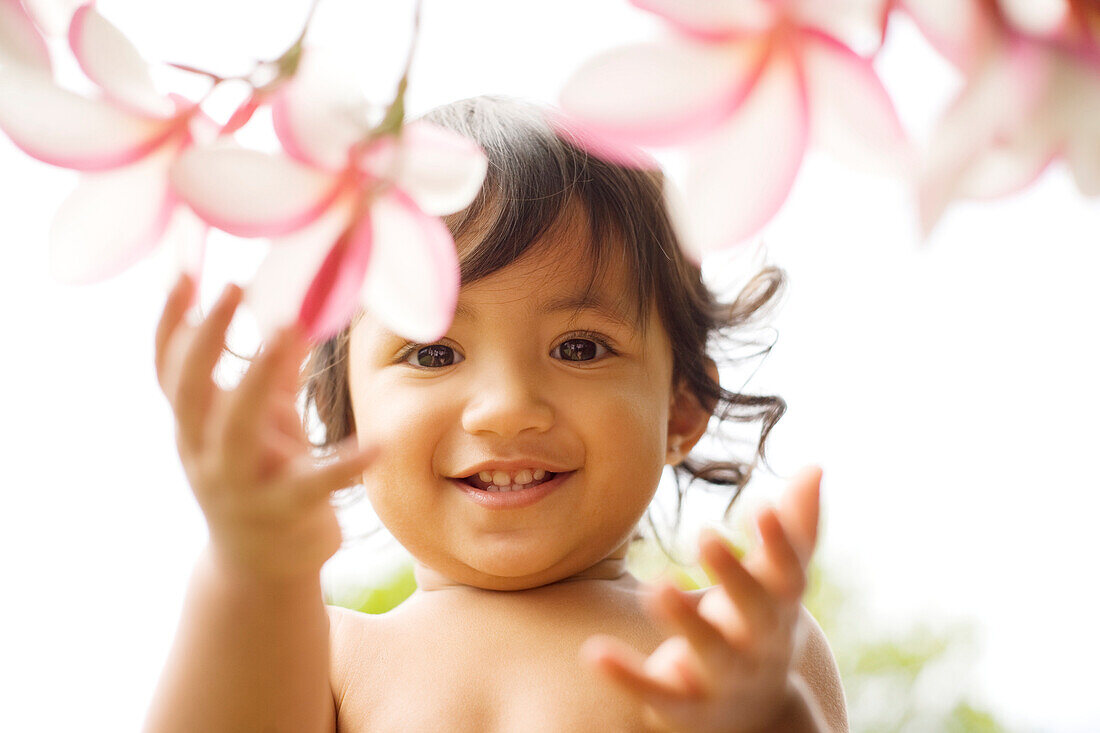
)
(580, 349)
(433, 355)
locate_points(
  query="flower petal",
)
(64, 129)
(111, 61)
(112, 220)
(612, 150)
(275, 293)
(320, 113)
(739, 177)
(1007, 166)
(850, 110)
(1076, 103)
(992, 107)
(249, 193)
(958, 29)
(1036, 17)
(333, 296)
(661, 93)
(858, 22)
(20, 42)
(714, 20)
(53, 16)
(440, 170)
(412, 282)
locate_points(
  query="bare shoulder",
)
(817, 667)
(349, 637)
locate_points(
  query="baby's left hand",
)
(728, 668)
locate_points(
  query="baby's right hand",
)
(244, 450)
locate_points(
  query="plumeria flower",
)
(1032, 95)
(123, 142)
(742, 82)
(353, 212)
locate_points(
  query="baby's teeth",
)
(500, 478)
(486, 476)
(523, 477)
(539, 474)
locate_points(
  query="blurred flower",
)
(362, 204)
(21, 44)
(743, 81)
(124, 142)
(1032, 94)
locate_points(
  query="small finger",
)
(175, 308)
(626, 667)
(781, 570)
(196, 384)
(312, 483)
(243, 411)
(751, 598)
(800, 509)
(712, 648)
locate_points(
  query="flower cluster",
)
(352, 208)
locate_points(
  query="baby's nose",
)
(507, 402)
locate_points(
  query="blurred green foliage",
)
(909, 682)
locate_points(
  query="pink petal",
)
(112, 220)
(249, 193)
(993, 106)
(739, 177)
(850, 110)
(715, 20)
(20, 42)
(612, 150)
(1036, 17)
(440, 170)
(958, 29)
(53, 16)
(333, 296)
(319, 113)
(64, 129)
(661, 93)
(412, 283)
(275, 294)
(858, 22)
(1006, 167)
(109, 59)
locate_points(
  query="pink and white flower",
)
(745, 83)
(355, 219)
(1032, 95)
(123, 142)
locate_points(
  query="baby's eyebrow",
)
(572, 303)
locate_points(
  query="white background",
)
(949, 389)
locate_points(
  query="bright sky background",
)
(949, 389)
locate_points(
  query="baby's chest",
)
(490, 680)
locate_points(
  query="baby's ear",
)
(688, 417)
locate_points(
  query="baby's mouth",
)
(502, 481)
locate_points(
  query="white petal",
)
(250, 193)
(20, 42)
(111, 220)
(64, 129)
(857, 22)
(958, 29)
(112, 62)
(441, 170)
(993, 106)
(1037, 17)
(275, 293)
(715, 19)
(53, 16)
(412, 281)
(662, 92)
(850, 110)
(1008, 165)
(739, 176)
(320, 113)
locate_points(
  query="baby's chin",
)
(514, 576)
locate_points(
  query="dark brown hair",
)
(535, 174)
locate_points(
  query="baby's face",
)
(515, 380)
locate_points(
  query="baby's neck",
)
(612, 568)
